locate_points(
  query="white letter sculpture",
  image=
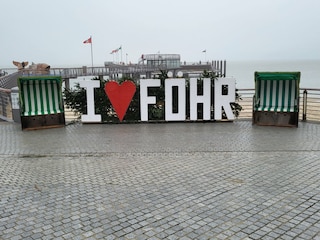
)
(181, 84)
(144, 99)
(224, 101)
(90, 116)
(195, 99)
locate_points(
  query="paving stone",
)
(160, 181)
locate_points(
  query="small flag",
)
(89, 40)
(114, 51)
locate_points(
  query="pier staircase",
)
(11, 80)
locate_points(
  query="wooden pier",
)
(115, 71)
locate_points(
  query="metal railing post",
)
(304, 111)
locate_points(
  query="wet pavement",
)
(160, 181)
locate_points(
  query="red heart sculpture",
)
(120, 96)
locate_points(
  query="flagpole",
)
(205, 55)
(91, 54)
(121, 52)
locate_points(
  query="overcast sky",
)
(53, 31)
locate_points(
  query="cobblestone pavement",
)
(160, 181)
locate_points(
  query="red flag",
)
(114, 51)
(89, 40)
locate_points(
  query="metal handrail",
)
(309, 103)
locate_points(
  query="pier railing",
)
(309, 104)
(112, 70)
(5, 104)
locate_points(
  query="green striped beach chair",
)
(276, 99)
(41, 102)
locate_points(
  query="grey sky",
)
(53, 31)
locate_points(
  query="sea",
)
(243, 71)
